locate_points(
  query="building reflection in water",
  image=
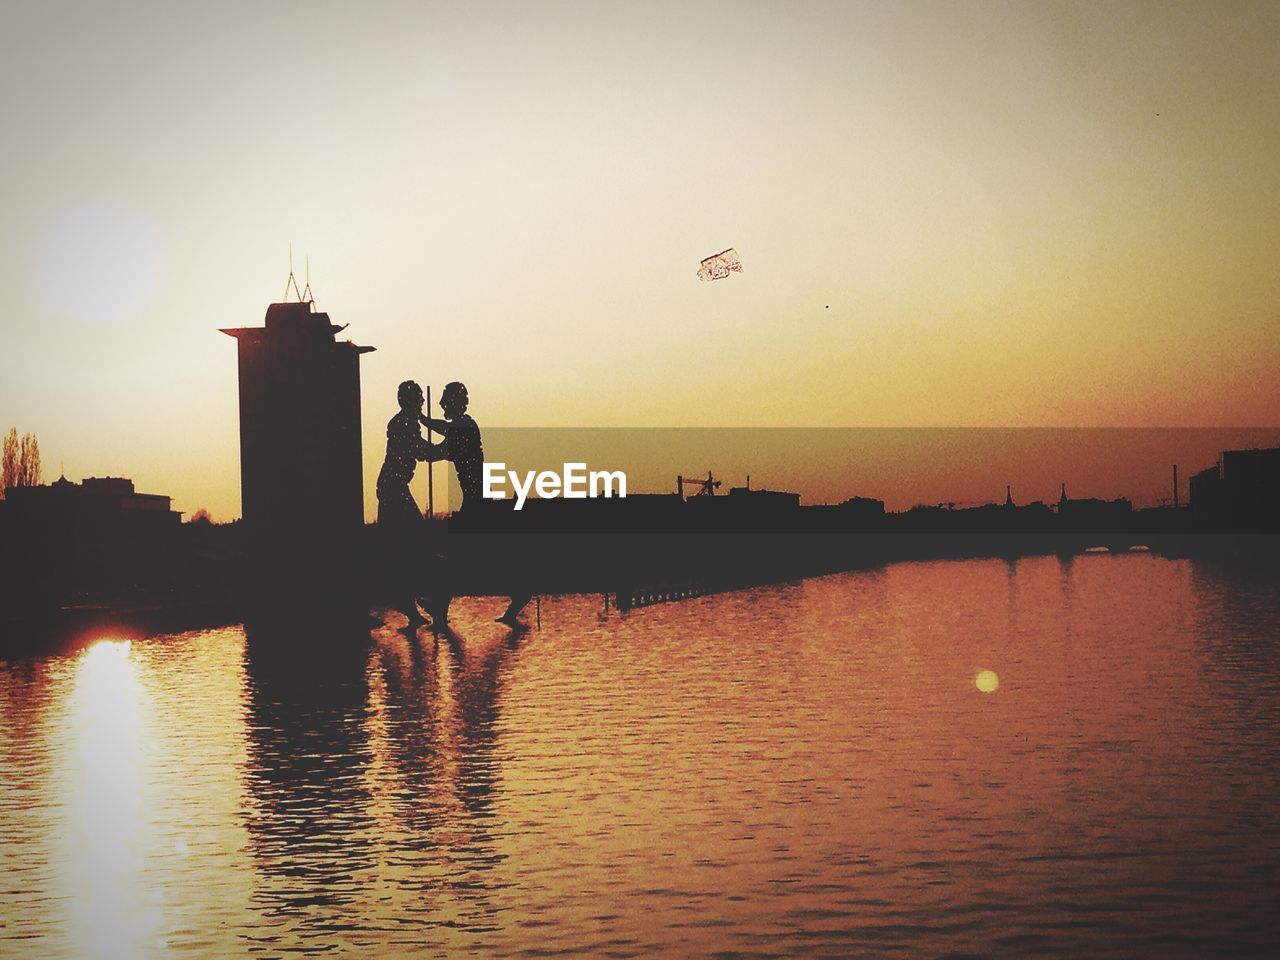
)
(306, 808)
(371, 771)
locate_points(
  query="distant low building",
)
(95, 498)
(64, 541)
(1241, 492)
(1251, 480)
(1093, 514)
(863, 507)
(757, 499)
(1206, 489)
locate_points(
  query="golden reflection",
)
(108, 721)
(986, 681)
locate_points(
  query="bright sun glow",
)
(98, 264)
(986, 681)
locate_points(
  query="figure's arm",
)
(431, 452)
(406, 439)
(439, 426)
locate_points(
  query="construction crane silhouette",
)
(709, 485)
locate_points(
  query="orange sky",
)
(949, 214)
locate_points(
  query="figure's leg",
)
(518, 603)
(439, 608)
(400, 512)
(438, 577)
(518, 567)
(407, 594)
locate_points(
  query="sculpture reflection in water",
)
(371, 776)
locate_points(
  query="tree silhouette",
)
(10, 463)
(201, 516)
(20, 463)
(29, 473)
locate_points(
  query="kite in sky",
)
(719, 266)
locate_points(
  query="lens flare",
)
(97, 264)
(986, 681)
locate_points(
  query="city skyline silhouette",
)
(943, 224)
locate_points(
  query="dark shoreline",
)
(307, 587)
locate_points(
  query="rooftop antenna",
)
(292, 281)
(307, 295)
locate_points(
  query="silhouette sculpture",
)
(405, 447)
(463, 447)
(398, 514)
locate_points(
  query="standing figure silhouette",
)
(398, 513)
(461, 445)
(463, 448)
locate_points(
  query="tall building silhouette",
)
(300, 448)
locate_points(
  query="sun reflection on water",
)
(110, 918)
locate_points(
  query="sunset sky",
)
(949, 214)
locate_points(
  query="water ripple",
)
(805, 770)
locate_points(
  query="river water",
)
(968, 758)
